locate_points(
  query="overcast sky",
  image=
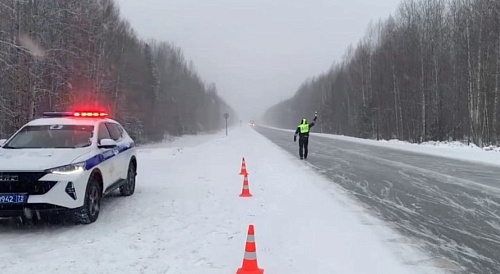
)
(257, 52)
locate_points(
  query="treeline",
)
(430, 72)
(59, 55)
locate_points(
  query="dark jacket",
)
(305, 135)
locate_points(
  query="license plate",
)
(13, 198)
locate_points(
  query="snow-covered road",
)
(428, 193)
(187, 217)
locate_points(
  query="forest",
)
(62, 55)
(429, 72)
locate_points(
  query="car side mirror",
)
(107, 143)
(2, 142)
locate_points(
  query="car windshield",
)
(52, 136)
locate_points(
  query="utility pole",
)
(226, 116)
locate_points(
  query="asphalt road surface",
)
(452, 206)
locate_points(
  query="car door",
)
(107, 166)
(121, 160)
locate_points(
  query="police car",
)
(65, 162)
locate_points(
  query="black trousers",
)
(303, 147)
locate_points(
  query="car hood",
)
(38, 159)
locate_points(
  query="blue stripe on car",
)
(106, 155)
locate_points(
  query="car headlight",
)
(68, 169)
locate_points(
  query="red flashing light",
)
(90, 114)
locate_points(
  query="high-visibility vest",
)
(304, 128)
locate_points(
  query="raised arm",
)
(314, 120)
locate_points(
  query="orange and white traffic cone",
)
(245, 192)
(243, 167)
(250, 265)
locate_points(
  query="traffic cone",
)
(250, 265)
(245, 192)
(243, 167)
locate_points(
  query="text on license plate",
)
(13, 198)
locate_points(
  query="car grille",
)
(27, 182)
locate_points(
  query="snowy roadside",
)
(455, 150)
(304, 224)
(186, 217)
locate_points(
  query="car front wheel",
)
(90, 210)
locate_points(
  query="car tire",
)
(129, 187)
(92, 205)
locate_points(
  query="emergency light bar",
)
(85, 114)
(90, 114)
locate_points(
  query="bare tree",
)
(430, 72)
(64, 54)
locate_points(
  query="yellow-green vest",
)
(304, 127)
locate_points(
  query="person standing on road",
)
(303, 132)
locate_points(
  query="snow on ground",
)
(455, 150)
(186, 217)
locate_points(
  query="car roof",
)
(69, 121)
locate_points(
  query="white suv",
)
(65, 162)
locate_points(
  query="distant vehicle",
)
(252, 123)
(65, 163)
